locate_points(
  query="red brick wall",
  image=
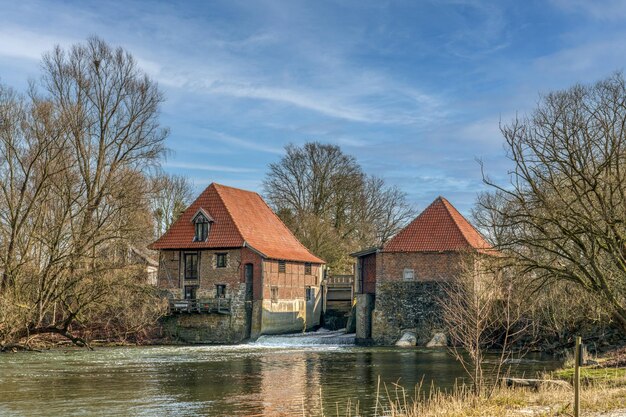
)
(292, 282)
(426, 266)
(250, 257)
(368, 274)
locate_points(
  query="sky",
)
(414, 90)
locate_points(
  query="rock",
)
(517, 361)
(535, 384)
(438, 340)
(408, 339)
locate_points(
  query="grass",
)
(609, 376)
(604, 390)
(509, 402)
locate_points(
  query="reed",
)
(392, 400)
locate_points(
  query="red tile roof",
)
(239, 218)
(440, 227)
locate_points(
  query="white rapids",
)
(319, 337)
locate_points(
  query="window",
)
(202, 228)
(221, 260)
(274, 294)
(282, 266)
(307, 268)
(220, 291)
(408, 274)
(310, 294)
(190, 292)
(191, 266)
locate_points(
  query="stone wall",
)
(289, 312)
(210, 275)
(206, 328)
(211, 328)
(172, 270)
(406, 305)
(364, 307)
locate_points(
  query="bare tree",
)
(563, 214)
(384, 209)
(481, 311)
(72, 187)
(330, 204)
(169, 196)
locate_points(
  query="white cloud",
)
(17, 42)
(208, 167)
(585, 61)
(239, 142)
(599, 9)
(251, 185)
(225, 64)
(485, 131)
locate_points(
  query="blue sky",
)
(415, 90)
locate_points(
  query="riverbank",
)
(603, 394)
(597, 400)
(281, 374)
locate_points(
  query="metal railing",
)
(201, 305)
(340, 279)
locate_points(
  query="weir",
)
(319, 337)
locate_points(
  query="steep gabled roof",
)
(240, 218)
(440, 227)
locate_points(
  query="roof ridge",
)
(428, 232)
(216, 187)
(446, 204)
(232, 188)
(288, 229)
(409, 225)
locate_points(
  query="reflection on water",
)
(215, 380)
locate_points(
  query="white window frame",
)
(408, 275)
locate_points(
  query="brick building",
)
(229, 249)
(398, 283)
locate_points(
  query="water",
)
(320, 337)
(271, 378)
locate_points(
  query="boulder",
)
(408, 339)
(438, 340)
(535, 384)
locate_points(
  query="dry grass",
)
(596, 397)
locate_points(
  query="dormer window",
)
(202, 229)
(201, 222)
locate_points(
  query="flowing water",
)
(277, 376)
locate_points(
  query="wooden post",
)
(577, 363)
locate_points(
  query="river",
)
(270, 378)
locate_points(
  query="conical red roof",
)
(439, 228)
(238, 217)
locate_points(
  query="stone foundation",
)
(211, 328)
(405, 305)
(364, 307)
